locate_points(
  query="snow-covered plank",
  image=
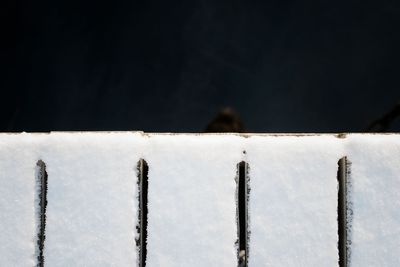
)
(293, 200)
(191, 200)
(92, 209)
(375, 199)
(18, 222)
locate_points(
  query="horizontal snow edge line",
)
(245, 135)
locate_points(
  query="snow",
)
(293, 200)
(375, 197)
(192, 210)
(92, 209)
(17, 212)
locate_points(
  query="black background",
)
(284, 66)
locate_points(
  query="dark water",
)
(285, 66)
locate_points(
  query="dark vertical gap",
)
(142, 227)
(242, 206)
(342, 212)
(42, 181)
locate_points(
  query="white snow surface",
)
(92, 209)
(375, 196)
(293, 200)
(192, 209)
(17, 197)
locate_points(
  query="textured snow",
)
(293, 200)
(192, 210)
(375, 196)
(92, 199)
(92, 209)
(17, 197)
